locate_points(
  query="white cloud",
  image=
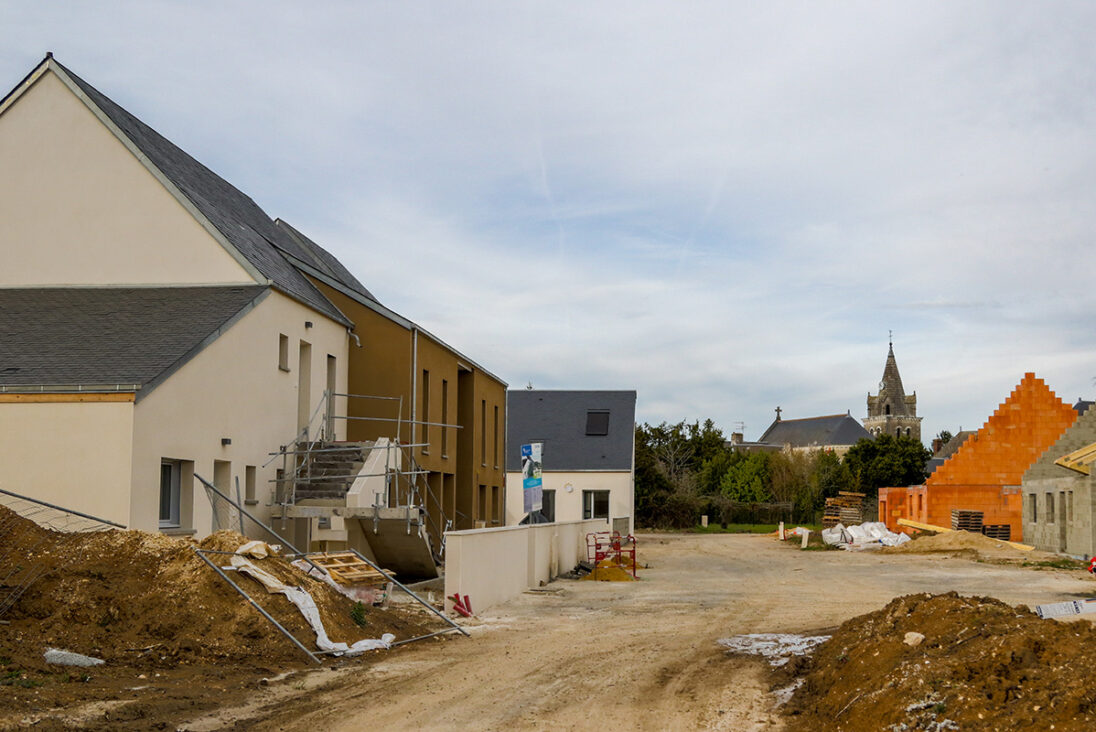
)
(725, 206)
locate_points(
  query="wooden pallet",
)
(964, 520)
(846, 508)
(998, 531)
(346, 569)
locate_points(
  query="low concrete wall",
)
(494, 565)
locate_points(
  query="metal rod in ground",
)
(424, 637)
(62, 508)
(269, 530)
(403, 587)
(256, 605)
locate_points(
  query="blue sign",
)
(531, 483)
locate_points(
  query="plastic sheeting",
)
(304, 603)
(868, 535)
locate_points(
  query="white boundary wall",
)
(494, 565)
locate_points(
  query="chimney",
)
(736, 438)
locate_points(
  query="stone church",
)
(891, 412)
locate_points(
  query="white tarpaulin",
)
(870, 535)
(304, 603)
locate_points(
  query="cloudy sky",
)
(725, 206)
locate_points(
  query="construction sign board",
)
(531, 483)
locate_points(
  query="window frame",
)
(173, 520)
(594, 429)
(589, 504)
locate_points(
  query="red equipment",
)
(621, 550)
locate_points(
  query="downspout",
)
(414, 385)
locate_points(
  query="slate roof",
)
(1082, 406)
(558, 419)
(834, 429)
(238, 218)
(105, 336)
(323, 260)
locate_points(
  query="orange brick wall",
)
(984, 473)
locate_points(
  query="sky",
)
(725, 206)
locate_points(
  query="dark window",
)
(597, 421)
(595, 504)
(169, 493)
(548, 505)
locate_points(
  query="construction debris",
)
(870, 535)
(845, 508)
(943, 530)
(778, 648)
(981, 665)
(106, 593)
(67, 658)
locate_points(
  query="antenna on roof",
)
(890, 338)
(529, 386)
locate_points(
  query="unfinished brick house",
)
(986, 472)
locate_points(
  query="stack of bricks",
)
(985, 473)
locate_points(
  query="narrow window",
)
(595, 504)
(1069, 512)
(496, 432)
(887, 409)
(283, 352)
(597, 422)
(495, 512)
(424, 433)
(1033, 504)
(483, 432)
(548, 501)
(445, 417)
(169, 494)
(1050, 508)
(249, 485)
(483, 503)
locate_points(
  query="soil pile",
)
(981, 665)
(959, 542)
(145, 599)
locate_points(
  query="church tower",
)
(891, 412)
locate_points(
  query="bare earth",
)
(630, 655)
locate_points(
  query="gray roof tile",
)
(558, 418)
(834, 429)
(100, 336)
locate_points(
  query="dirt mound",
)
(959, 542)
(981, 665)
(146, 599)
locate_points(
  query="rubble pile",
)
(943, 662)
(145, 599)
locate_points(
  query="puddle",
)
(777, 647)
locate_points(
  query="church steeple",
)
(891, 412)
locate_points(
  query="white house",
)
(588, 459)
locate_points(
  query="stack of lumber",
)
(846, 508)
(962, 520)
(347, 569)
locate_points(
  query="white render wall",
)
(85, 211)
(569, 503)
(74, 454)
(233, 389)
(492, 566)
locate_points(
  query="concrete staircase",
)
(328, 473)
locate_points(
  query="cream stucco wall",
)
(233, 389)
(72, 454)
(494, 565)
(569, 504)
(81, 210)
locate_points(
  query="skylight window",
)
(597, 422)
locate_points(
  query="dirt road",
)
(630, 655)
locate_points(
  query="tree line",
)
(686, 469)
